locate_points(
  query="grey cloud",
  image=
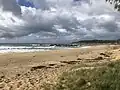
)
(54, 21)
(10, 5)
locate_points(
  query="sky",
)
(57, 21)
(25, 3)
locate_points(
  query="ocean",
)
(29, 47)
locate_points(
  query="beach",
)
(33, 70)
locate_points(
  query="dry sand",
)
(33, 71)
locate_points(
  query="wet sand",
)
(33, 71)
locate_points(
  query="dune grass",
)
(106, 77)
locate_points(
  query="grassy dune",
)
(100, 77)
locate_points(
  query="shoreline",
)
(43, 50)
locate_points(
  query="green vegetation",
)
(116, 3)
(99, 41)
(106, 77)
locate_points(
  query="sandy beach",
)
(30, 71)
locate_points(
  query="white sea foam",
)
(86, 47)
(24, 47)
(21, 50)
(8, 49)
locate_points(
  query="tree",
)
(116, 4)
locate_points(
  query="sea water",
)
(28, 47)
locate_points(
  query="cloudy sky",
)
(57, 21)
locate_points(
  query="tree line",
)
(116, 4)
